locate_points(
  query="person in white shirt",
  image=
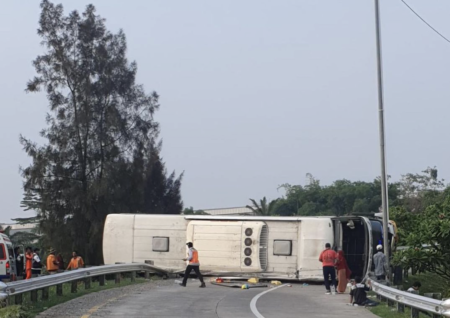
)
(414, 288)
(37, 265)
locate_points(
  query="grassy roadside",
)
(431, 283)
(29, 309)
(384, 311)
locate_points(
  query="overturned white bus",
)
(270, 247)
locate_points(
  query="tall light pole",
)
(384, 189)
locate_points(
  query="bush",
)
(13, 312)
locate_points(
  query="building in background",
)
(230, 211)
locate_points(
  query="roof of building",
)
(230, 211)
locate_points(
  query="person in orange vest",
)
(76, 261)
(52, 263)
(28, 262)
(194, 264)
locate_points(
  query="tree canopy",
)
(102, 153)
(342, 197)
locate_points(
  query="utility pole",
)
(384, 188)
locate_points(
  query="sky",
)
(257, 93)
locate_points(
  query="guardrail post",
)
(34, 296)
(18, 299)
(133, 276)
(117, 280)
(59, 290)
(73, 289)
(147, 273)
(45, 293)
(434, 296)
(101, 280)
(390, 303)
(414, 311)
(400, 307)
(87, 283)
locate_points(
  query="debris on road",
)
(254, 280)
(275, 282)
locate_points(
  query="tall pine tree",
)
(101, 154)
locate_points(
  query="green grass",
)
(384, 311)
(32, 309)
(431, 283)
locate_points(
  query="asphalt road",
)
(172, 300)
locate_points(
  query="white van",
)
(7, 259)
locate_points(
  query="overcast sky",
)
(255, 94)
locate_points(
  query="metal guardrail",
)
(432, 306)
(38, 283)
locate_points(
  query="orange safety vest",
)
(194, 260)
(51, 266)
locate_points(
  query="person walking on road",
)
(329, 258)
(194, 264)
(28, 262)
(52, 263)
(379, 260)
(76, 261)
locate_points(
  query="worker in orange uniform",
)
(194, 264)
(52, 263)
(28, 262)
(76, 261)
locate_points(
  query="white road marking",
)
(255, 299)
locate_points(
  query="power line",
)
(423, 20)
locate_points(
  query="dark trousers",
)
(196, 269)
(369, 303)
(329, 271)
(381, 277)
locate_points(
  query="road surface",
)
(173, 301)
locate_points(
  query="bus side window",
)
(282, 247)
(160, 244)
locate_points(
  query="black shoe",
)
(182, 285)
(203, 285)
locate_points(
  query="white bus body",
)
(272, 247)
(7, 259)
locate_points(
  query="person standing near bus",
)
(379, 260)
(19, 261)
(60, 261)
(76, 261)
(329, 258)
(37, 265)
(28, 262)
(52, 263)
(343, 272)
(194, 264)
